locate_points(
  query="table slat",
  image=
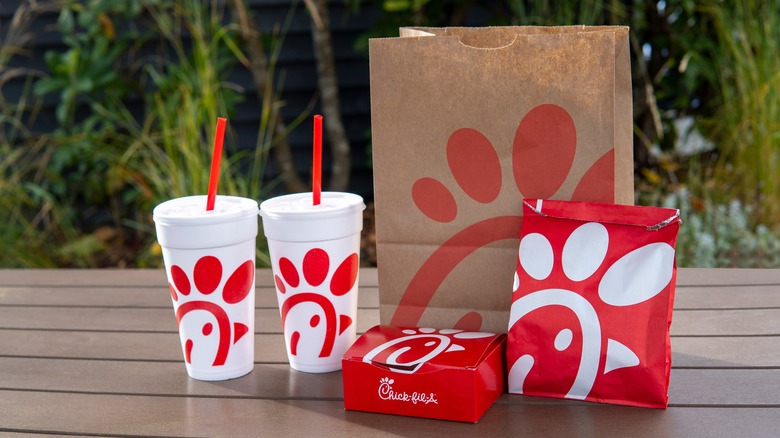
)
(725, 276)
(687, 297)
(166, 416)
(368, 276)
(134, 296)
(727, 297)
(701, 352)
(747, 322)
(120, 277)
(754, 387)
(134, 319)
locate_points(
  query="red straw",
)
(316, 170)
(216, 158)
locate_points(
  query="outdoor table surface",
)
(96, 352)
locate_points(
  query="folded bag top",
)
(499, 37)
(651, 218)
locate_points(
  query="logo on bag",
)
(406, 354)
(206, 277)
(386, 392)
(325, 324)
(578, 301)
(476, 168)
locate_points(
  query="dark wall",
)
(296, 65)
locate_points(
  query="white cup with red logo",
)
(315, 255)
(210, 264)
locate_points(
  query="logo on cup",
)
(197, 308)
(315, 301)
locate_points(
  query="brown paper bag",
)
(466, 122)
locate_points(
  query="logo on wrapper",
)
(387, 393)
(579, 310)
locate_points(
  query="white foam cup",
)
(210, 264)
(315, 255)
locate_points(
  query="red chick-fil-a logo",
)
(386, 392)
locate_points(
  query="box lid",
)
(421, 349)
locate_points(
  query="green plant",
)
(189, 94)
(82, 195)
(86, 72)
(547, 12)
(30, 213)
(747, 123)
(722, 235)
(171, 155)
(76, 157)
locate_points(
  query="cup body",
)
(315, 258)
(210, 264)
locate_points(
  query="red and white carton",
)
(446, 374)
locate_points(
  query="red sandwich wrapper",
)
(592, 303)
(445, 374)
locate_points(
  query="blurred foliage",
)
(81, 195)
(706, 79)
(721, 235)
(90, 134)
(746, 124)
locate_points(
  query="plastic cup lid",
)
(299, 206)
(191, 210)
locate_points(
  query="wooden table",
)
(96, 352)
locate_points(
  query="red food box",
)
(447, 374)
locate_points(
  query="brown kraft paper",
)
(466, 122)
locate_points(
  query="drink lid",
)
(299, 206)
(191, 210)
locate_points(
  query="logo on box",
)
(406, 354)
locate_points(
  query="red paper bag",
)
(592, 303)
